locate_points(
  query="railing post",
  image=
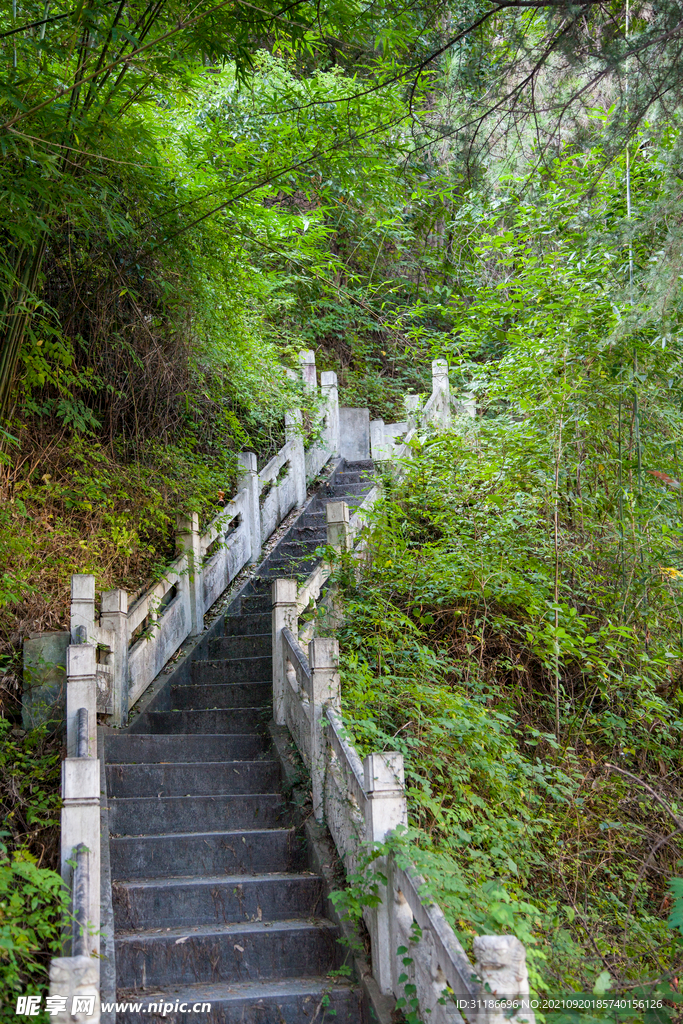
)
(500, 962)
(378, 446)
(81, 826)
(323, 657)
(307, 365)
(75, 981)
(297, 459)
(338, 528)
(412, 406)
(114, 618)
(82, 606)
(386, 809)
(247, 479)
(328, 386)
(441, 384)
(81, 692)
(283, 595)
(188, 540)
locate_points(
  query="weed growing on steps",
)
(448, 655)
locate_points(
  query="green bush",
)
(34, 904)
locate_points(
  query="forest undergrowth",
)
(451, 655)
(188, 201)
(516, 630)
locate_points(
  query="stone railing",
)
(136, 639)
(74, 979)
(118, 650)
(362, 803)
(390, 441)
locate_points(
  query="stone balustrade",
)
(136, 639)
(364, 802)
(117, 651)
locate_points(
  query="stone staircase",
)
(214, 900)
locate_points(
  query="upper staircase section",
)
(136, 639)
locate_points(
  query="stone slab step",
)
(247, 670)
(244, 670)
(342, 491)
(254, 645)
(313, 1000)
(190, 854)
(319, 505)
(140, 816)
(294, 567)
(252, 622)
(151, 748)
(220, 695)
(297, 563)
(295, 548)
(211, 720)
(354, 476)
(178, 779)
(215, 900)
(231, 953)
(314, 535)
(256, 602)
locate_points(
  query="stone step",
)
(277, 568)
(242, 670)
(353, 476)
(352, 500)
(215, 900)
(354, 467)
(210, 720)
(230, 953)
(144, 780)
(221, 695)
(340, 492)
(309, 1000)
(254, 622)
(314, 535)
(146, 816)
(317, 509)
(312, 520)
(207, 853)
(295, 548)
(255, 645)
(150, 748)
(256, 602)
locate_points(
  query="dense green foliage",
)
(187, 198)
(516, 631)
(33, 901)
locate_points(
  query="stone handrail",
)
(74, 979)
(136, 640)
(117, 652)
(364, 802)
(389, 441)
